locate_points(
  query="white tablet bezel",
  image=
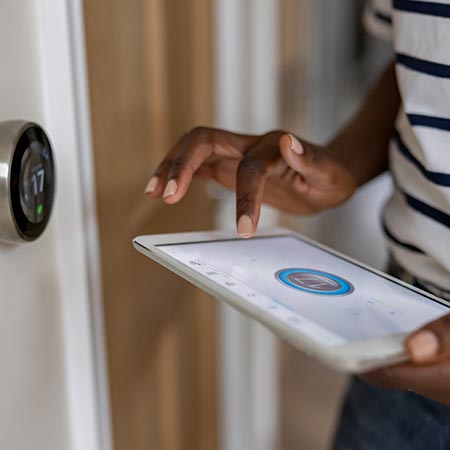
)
(355, 357)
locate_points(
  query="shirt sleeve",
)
(378, 18)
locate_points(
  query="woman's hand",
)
(275, 168)
(428, 373)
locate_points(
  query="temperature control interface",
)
(27, 181)
(314, 281)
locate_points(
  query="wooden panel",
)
(150, 71)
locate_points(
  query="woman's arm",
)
(290, 174)
(362, 145)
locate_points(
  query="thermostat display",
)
(35, 162)
(27, 181)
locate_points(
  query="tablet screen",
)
(331, 300)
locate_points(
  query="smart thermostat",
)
(27, 181)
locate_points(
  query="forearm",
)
(362, 146)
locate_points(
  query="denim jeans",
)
(378, 419)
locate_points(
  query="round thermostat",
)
(27, 181)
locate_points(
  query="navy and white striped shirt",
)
(416, 219)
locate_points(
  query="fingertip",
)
(422, 346)
(285, 142)
(151, 195)
(171, 200)
(245, 227)
(294, 153)
(171, 189)
(152, 185)
(172, 193)
(296, 146)
(288, 142)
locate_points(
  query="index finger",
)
(251, 178)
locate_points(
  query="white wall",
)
(48, 358)
(32, 381)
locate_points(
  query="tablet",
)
(349, 316)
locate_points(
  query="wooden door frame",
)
(74, 222)
(149, 72)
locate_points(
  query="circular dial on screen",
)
(314, 281)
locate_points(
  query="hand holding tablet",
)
(298, 177)
(351, 317)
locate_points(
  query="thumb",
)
(431, 342)
(317, 169)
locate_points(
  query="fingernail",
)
(423, 345)
(296, 145)
(151, 186)
(245, 226)
(171, 188)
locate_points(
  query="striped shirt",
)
(416, 219)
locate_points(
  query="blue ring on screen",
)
(345, 287)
